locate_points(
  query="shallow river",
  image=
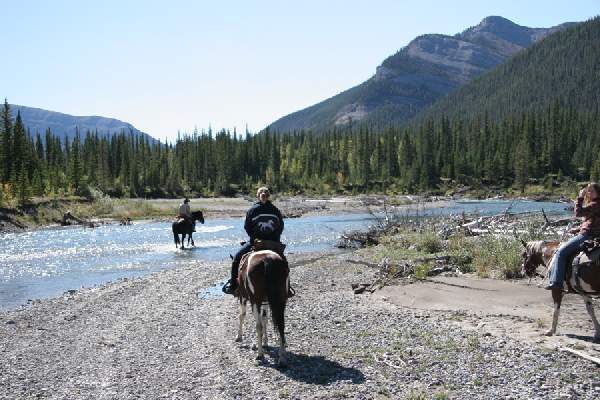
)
(48, 262)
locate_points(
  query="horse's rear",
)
(265, 280)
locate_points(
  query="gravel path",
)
(155, 337)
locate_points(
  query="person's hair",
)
(596, 188)
(262, 189)
(186, 200)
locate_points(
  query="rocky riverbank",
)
(171, 335)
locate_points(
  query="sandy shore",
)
(171, 335)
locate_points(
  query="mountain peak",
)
(428, 68)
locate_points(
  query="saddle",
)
(272, 245)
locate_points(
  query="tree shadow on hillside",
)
(318, 370)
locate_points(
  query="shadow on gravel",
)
(589, 339)
(319, 371)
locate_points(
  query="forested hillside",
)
(548, 145)
(563, 68)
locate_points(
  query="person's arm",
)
(248, 224)
(586, 211)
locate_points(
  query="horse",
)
(264, 279)
(582, 277)
(184, 227)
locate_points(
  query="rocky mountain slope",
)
(426, 69)
(65, 125)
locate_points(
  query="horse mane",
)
(535, 246)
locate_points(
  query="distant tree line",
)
(546, 145)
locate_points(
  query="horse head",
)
(537, 253)
(198, 216)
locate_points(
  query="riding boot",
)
(232, 285)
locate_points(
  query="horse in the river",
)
(184, 227)
(264, 279)
(582, 277)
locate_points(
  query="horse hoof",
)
(548, 333)
(260, 358)
(238, 339)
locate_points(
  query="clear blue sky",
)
(169, 66)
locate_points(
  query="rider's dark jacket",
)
(264, 221)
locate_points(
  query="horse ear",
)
(524, 243)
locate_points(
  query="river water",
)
(45, 263)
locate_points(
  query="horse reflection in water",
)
(185, 227)
(264, 279)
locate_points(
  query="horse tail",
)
(276, 276)
(175, 234)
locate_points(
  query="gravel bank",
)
(156, 338)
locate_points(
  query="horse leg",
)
(265, 323)
(192, 239)
(259, 331)
(176, 238)
(557, 295)
(242, 316)
(590, 309)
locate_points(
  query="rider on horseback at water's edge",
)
(263, 221)
(186, 213)
(590, 227)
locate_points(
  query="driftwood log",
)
(68, 219)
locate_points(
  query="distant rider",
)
(186, 213)
(263, 221)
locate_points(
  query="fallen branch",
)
(581, 354)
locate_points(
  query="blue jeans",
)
(559, 262)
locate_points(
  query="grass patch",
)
(416, 395)
(497, 257)
(429, 242)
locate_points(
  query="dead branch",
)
(581, 354)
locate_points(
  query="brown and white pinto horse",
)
(538, 253)
(264, 279)
(583, 277)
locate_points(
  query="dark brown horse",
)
(264, 279)
(184, 227)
